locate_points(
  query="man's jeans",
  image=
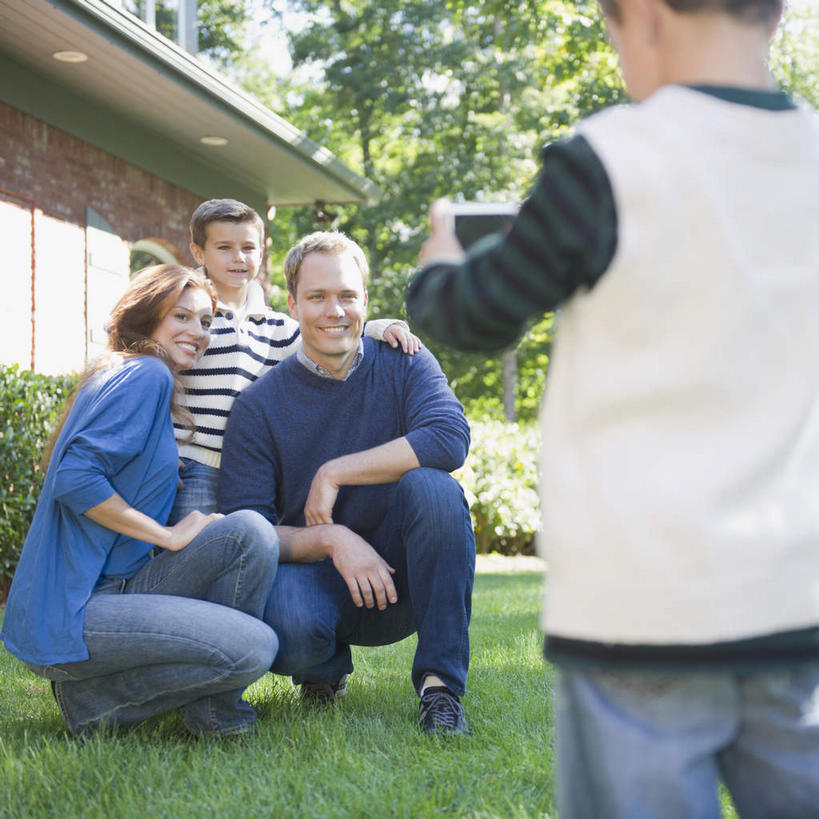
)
(656, 744)
(198, 490)
(183, 631)
(427, 538)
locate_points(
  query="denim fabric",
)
(198, 490)
(182, 632)
(427, 538)
(647, 744)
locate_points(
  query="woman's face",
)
(184, 331)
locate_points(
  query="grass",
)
(362, 758)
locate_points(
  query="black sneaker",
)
(323, 693)
(441, 712)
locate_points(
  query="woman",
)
(123, 636)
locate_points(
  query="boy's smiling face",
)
(231, 257)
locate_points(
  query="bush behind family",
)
(501, 467)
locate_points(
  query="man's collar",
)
(322, 372)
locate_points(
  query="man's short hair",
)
(753, 11)
(222, 210)
(322, 241)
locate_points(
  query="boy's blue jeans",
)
(427, 538)
(183, 631)
(198, 490)
(642, 744)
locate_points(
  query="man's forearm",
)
(386, 463)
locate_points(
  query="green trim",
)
(170, 60)
(38, 96)
(786, 648)
(752, 97)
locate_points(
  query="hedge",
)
(500, 482)
(30, 405)
(499, 477)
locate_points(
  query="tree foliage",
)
(440, 98)
(457, 98)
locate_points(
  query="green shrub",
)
(29, 408)
(500, 481)
(499, 477)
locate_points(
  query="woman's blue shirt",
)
(117, 438)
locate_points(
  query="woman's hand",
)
(182, 533)
(117, 515)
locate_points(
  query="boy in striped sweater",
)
(680, 422)
(248, 338)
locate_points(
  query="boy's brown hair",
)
(222, 210)
(753, 11)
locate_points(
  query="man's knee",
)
(428, 489)
(304, 617)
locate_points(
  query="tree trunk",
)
(510, 382)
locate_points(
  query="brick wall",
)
(57, 271)
(62, 175)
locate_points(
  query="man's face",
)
(330, 306)
(231, 256)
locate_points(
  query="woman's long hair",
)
(153, 291)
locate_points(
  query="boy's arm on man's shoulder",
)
(563, 238)
(247, 475)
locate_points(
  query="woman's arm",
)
(117, 515)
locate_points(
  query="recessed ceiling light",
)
(70, 56)
(213, 140)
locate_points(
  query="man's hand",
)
(366, 573)
(320, 499)
(443, 242)
(399, 333)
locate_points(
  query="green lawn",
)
(364, 757)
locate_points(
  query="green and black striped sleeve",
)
(563, 238)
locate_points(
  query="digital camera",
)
(473, 220)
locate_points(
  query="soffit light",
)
(213, 140)
(70, 56)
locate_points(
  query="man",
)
(346, 448)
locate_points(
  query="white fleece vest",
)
(680, 470)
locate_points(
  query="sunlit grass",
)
(362, 758)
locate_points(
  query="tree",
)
(443, 98)
(453, 98)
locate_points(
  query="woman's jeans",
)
(198, 490)
(634, 744)
(183, 631)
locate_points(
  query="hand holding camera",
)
(457, 226)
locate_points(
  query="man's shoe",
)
(441, 712)
(323, 693)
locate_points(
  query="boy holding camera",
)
(680, 421)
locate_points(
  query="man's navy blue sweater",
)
(284, 426)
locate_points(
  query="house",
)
(110, 136)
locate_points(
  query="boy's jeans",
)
(198, 490)
(427, 538)
(645, 744)
(183, 631)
